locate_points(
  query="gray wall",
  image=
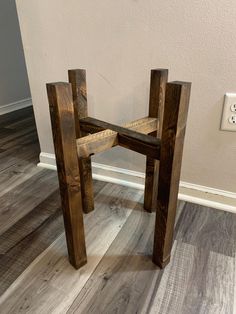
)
(13, 77)
(118, 42)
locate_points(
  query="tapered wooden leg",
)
(77, 78)
(63, 127)
(173, 131)
(156, 109)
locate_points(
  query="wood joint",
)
(132, 135)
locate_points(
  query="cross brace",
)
(132, 136)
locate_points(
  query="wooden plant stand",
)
(160, 137)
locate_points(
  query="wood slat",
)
(144, 125)
(108, 138)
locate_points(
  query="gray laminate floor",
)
(35, 276)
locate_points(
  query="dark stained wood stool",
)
(160, 137)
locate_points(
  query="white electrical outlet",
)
(228, 121)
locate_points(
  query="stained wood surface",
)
(104, 140)
(77, 78)
(64, 138)
(158, 82)
(144, 125)
(172, 140)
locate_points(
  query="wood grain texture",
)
(19, 171)
(196, 281)
(17, 146)
(211, 229)
(96, 143)
(16, 116)
(64, 137)
(30, 236)
(199, 278)
(168, 149)
(50, 284)
(19, 156)
(20, 200)
(126, 278)
(108, 138)
(26, 122)
(172, 139)
(144, 125)
(156, 110)
(77, 78)
(23, 137)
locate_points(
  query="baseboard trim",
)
(194, 193)
(15, 106)
(47, 161)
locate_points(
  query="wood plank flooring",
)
(36, 277)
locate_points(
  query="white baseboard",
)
(189, 192)
(47, 161)
(15, 106)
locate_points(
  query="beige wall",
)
(118, 42)
(13, 76)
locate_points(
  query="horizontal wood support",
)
(132, 136)
(144, 125)
(141, 143)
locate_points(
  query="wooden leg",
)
(156, 108)
(173, 131)
(63, 127)
(77, 78)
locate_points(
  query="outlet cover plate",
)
(229, 102)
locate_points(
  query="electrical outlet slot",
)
(232, 119)
(233, 107)
(228, 121)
